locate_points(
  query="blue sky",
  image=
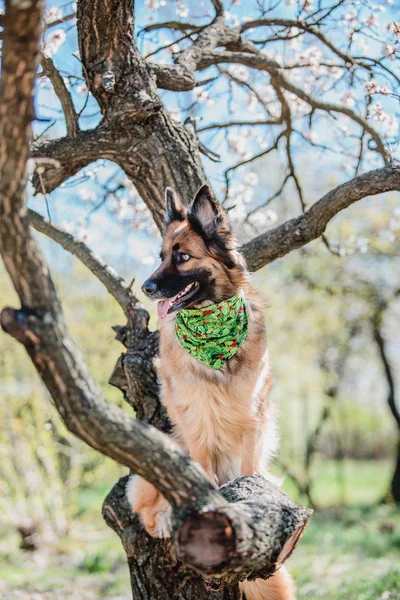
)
(111, 234)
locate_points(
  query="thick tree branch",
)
(303, 229)
(172, 77)
(181, 76)
(174, 25)
(116, 74)
(72, 154)
(219, 7)
(71, 118)
(201, 55)
(259, 528)
(255, 513)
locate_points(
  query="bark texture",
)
(39, 325)
(203, 544)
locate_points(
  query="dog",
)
(213, 367)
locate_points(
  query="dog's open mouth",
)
(176, 302)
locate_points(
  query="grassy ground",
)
(346, 553)
(349, 554)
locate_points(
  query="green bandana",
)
(212, 335)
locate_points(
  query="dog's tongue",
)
(163, 307)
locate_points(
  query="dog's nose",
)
(149, 287)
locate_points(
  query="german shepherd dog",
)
(222, 418)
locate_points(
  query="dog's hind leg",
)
(251, 450)
(279, 587)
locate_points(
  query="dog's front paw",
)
(157, 522)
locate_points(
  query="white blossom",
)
(311, 135)
(394, 28)
(307, 5)
(182, 11)
(54, 41)
(386, 236)
(348, 99)
(87, 195)
(251, 178)
(52, 13)
(372, 21)
(152, 4)
(389, 51)
(82, 88)
(258, 219)
(239, 71)
(271, 216)
(203, 96)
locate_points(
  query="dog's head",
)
(199, 261)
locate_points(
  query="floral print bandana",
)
(212, 335)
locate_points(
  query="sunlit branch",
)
(113, 283)
(260, 62)
(310, 225)
(309, 28)
(71, 117)
(252, 123)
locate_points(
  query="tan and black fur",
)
(222, 418)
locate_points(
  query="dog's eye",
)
(183, 258)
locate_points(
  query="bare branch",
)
(270, 199)
(71, 118)
(262, 63)
(306, 27)
(114, 284)
(246, 161)
(381, 345)
(61, 20)
(219, 7)
(174, 25)
(303, 229)
(239, 124)
(173, 77)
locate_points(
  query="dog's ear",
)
(174, 209)
(207, 212)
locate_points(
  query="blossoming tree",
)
(154, 99)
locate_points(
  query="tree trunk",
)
(155, 572)
(395, 483)
(271, 529)
(377, 322)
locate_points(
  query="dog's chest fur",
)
(215, 410)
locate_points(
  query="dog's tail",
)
(278, 587)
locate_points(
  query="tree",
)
(138, 133)
(365, 297)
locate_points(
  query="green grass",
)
(346, 553)
(348, 482)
